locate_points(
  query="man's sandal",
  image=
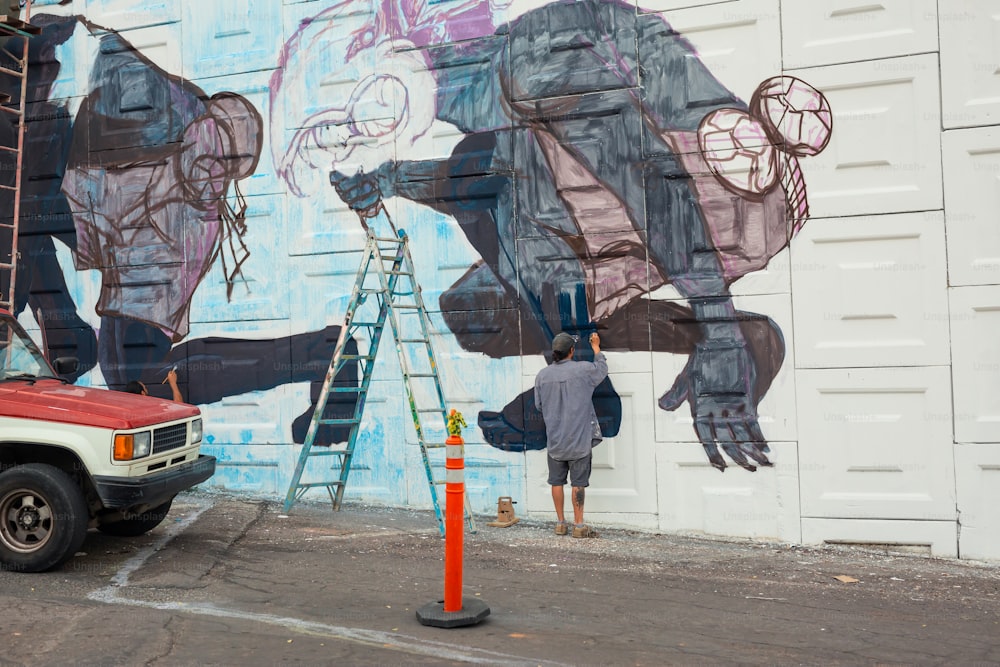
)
(561, 528)
(584, 531)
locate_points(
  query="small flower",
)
(455, 423)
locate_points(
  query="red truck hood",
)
(51, 400)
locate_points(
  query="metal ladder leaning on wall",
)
(13, 29)
(400, 303)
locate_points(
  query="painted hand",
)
(364, 192)
(717, 383)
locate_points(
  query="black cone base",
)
(473, 611)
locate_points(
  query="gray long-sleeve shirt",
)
(564, 394)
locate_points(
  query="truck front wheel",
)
(43, 517)
(133, 525)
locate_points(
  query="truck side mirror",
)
(66, 365)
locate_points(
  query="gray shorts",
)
(578, 471)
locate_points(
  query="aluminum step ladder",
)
(14, 36)
(385, 290)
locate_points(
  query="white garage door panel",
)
(623, 478)
(694, 496)
(740, 43)
(871, 291)
(938, 537)
(127, 14)
(975, 313)
(972, 199)
(261, 289)
(776, 411)
(837, 31)
(977, 473)
(324, 284)
(214, 31)
(885, 152)
(876, 443)
(970, 52)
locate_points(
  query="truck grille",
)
(169, 437)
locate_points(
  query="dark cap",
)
(563, 342)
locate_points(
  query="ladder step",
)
(11, 110)
(329, 452)
(313, 485)
(413, 340)
(352, 357)
(442, 410)
(10, 24)
(406, 306)
(345, 390)
(422, 375)
(338, 422)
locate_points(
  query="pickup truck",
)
(74, 458)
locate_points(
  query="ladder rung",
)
(434, 445)
(382, 239)
(406, 306)
(357, 356)
(11, 72)
(7, 187)
(422, 375)
(431, 410)
(413, 340)
(16, 112)
(367, 324)
(345, 390)
(313, 485)
(329, 452)
(10, 24)
(339, 422)
(399, 273)
(9, 149)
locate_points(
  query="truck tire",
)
(43, 517)
(133, 525)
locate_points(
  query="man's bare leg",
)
(559, 499)
(579, 493)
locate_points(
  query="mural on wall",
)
(600, 161)
(142, 184)
(596, 160)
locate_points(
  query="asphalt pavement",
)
(227, 581)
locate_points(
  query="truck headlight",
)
(130, 446)
(196, 431)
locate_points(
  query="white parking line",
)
(392, 641)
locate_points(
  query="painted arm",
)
(415, 180)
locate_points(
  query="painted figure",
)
(142, 185)
(601, 160)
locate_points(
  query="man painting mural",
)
(601, 160)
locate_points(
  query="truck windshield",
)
(19, 357)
